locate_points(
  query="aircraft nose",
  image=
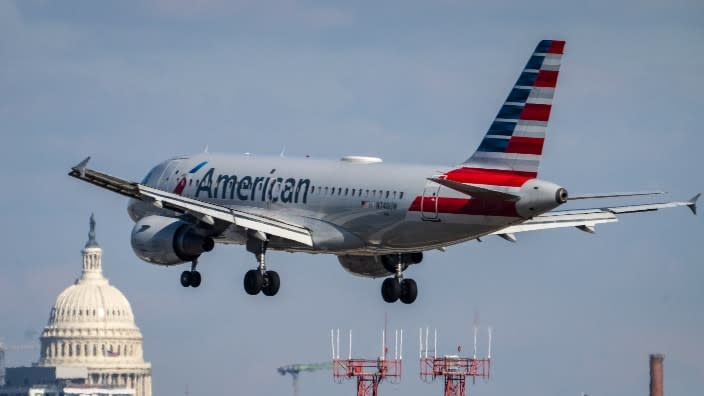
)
(133, 209)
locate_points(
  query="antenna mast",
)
(454, 369)
(368, 373)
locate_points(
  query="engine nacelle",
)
(539, 196)
(168, 241)
(378, 266)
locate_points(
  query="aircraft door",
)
(429, 202)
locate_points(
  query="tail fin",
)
(515, 139)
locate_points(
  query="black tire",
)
(409, 291)
(195, 278)
(390, 290)
(186, 278)
(416, 258)
(271, 283)
(253, 282)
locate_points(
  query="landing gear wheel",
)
(186, 278)
(271, 283)
(409, 291)
(253, 282)
(195, 279)
(390, 290)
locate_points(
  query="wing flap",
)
(197, 208)
(560, 221)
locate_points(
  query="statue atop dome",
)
(92, 243)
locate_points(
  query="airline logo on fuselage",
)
(251, 188)
(181, 184)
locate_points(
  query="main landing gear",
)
(396, 287)
(260, 280)
(191, 278)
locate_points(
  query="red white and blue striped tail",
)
(514, 142)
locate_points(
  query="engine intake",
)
(168, 241)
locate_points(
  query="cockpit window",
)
(153, 176)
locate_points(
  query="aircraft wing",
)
(587, 219)
(203, 211)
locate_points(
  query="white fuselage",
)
(377, 207)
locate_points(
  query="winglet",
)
(81, 167)
(692, 205)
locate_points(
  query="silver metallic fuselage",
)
(354, 208)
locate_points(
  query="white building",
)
(56, 381)
(91, 326)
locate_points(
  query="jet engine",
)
(168, 241)
(378, 266)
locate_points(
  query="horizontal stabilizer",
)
(613, 195)
(474, 191)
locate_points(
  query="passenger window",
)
(387, 194)
(346, 191)
(353, 191)
(394, 194)
(366, 193)
(339, 191)
(400, 195)
(312, 190)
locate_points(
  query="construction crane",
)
(4, 348)
(296, 369)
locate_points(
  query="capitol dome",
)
(92, 325)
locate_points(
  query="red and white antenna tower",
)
(368, 373)
(453, 368)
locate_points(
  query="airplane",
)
(377, 218)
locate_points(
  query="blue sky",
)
(133, 83)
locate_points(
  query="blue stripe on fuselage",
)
(195, 169)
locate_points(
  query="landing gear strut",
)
(396, 287)
(260, 280)
(191, 278)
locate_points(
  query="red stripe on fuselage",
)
(525, 145)
(546, 79)
(535, 112)
(493, 177)
(465, 206)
